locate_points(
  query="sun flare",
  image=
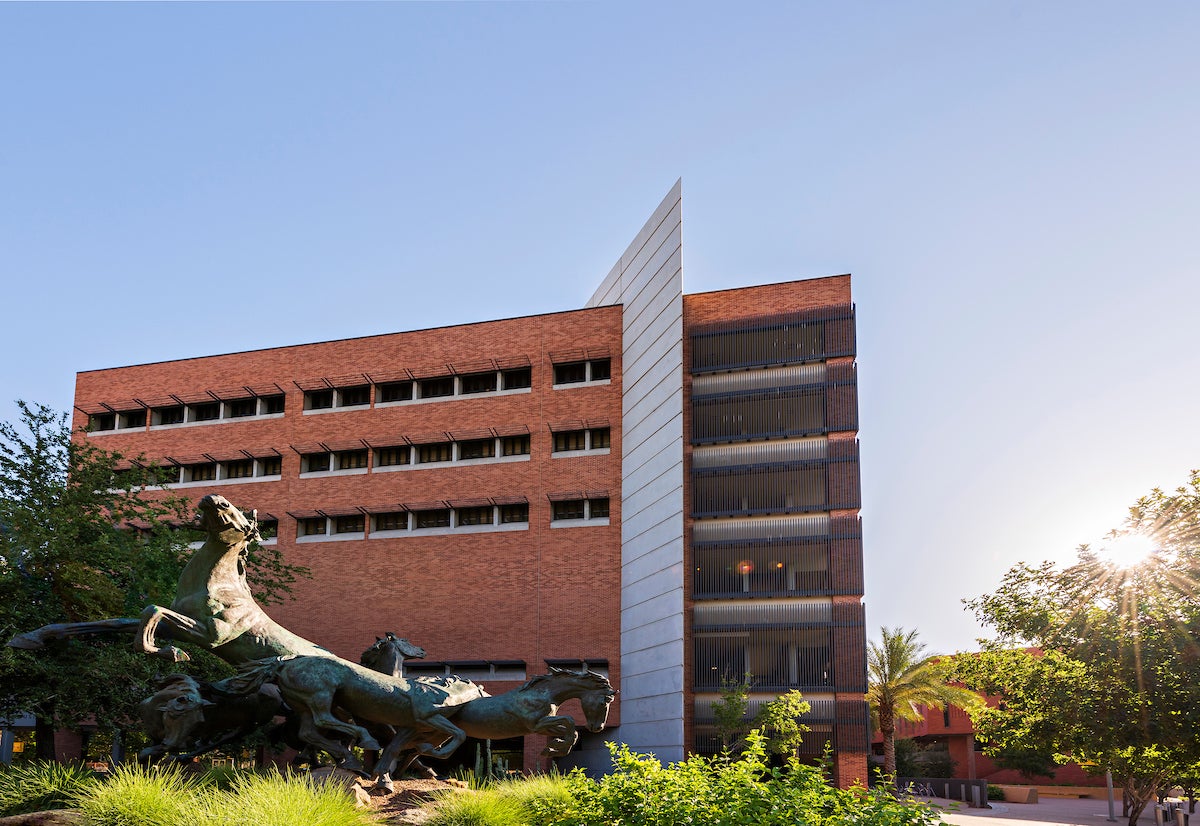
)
(1129, 550)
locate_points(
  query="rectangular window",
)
(168, 415)
(477, 449)
(510, 514)
(570, 440)
(599, 369)
(433, 388)
(241, 408)
(270, 466)
(240, 469)
(479, 383)
(599, 437)
(318, 400)
(514, 446)
(598, 508)
(268, 528)
(353, 523)
(312, 526)
(354, 396)
(133, 418)
(475, 516)
(439, 452)
(433, 519)
(208, 412)
(315, 462)
(350, 459)
(570, 509)
(516, 379)
(102, 421)
(389, 456)
(171, 474)
(393, 521)
(399, 391)
(571, 373)
(271, 405)
(206, 472)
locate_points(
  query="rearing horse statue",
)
(213, 605)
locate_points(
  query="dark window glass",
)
(601, 369)
(598, 508)
(440, 452)
(270, 466)
(241, 469)
(515, 446)
(601, 437)
(518, 378)
(475, 516)
(355, 396)
(168, 415)
(514, 513)
(206, 412)
(400, 391)
(441, 386)
(241, 407)
(570, 440)
(272, 404)
(477, 449)
(171, 474)
(312, 526)
(572, 373)
(202, 473)
(350, 459)
(571, 509)
(386, 456)
(348, 524)
(316, 462)
(318, 400)
(134, 418)
(433, 519)
(102, 421)
(268, 528)
(394, 521)
(479, 383)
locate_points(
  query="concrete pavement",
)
(1052, 810)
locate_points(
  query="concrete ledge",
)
(1019, 794)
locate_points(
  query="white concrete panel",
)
(655, 737)
(650, 466)
(649, 659)
(657, 559)
(649, 587)
(660, 707)
(652, 617)
(667, 680)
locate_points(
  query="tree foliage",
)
(779, 723)
(729, 712)
(1117, 686)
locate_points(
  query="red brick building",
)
(663, 487)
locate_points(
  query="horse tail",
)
(251, 676)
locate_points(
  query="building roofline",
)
(348, 338)
(770, 284)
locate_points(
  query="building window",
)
(517, 379)
(510, 514)
(399, 391)
(102, 421)
(241, 408)
(390, 456)
(438, 452)
(359, 396)
(599, 437)
(351, 459)
(167, 415)
(205, 472)
(268, 529)
(314, 462)
(270, 466)
(570, 509)
(207, 412)
(171, 474)
(439, 518)
(354, 523)
(514, 446)
(597, 508)
(436, 387)
(239, 469)
(477, 449)
(572, 373)
(478, 383)
(311, 526)
(391, 521)
(272, 405)
(133, 418)
(318, 400)
(599, 369)
(566, 440)
(475, 516)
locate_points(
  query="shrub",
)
(274, 800)
(995, 792)
(137, 796)
(477, 808)
(540, 797)
(40, 786)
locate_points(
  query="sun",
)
(1128, 550)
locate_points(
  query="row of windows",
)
(466, 517)
(179, 414)
(270, 467)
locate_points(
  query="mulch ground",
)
(408, 804)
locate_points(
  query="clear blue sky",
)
(1015, 187)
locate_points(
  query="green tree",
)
(1117, 686)
(902, 683)
(86, 534)
(779, 722)
(730, 711)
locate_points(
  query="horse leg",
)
(387, 760)
(311, 735)
(457, 737)
(33, 640)
(562, 734)
(180, 627)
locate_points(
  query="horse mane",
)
(599, 679)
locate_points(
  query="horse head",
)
(595, 694)
(225, 523)
(389, 652)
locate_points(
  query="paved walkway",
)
(1054, 810)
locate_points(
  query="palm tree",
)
(902, 683)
